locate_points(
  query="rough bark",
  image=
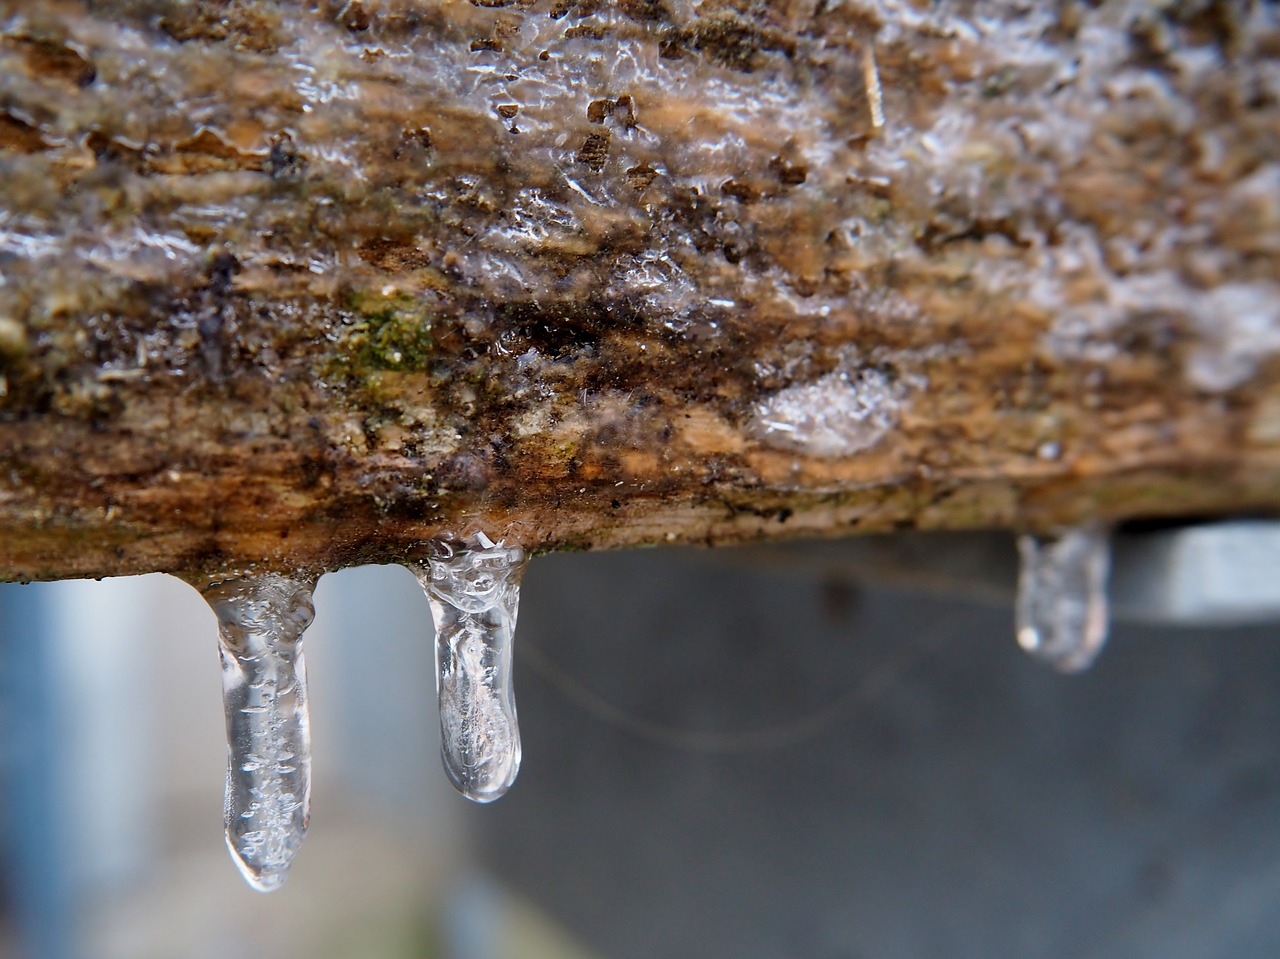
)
(306, 285)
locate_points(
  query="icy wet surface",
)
(764, 249)
(837, 415)
(474, 592)
(1061, 609)
(264, 686)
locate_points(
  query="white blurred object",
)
(1216, 574)
(106, 699)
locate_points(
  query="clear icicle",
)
(474, 593)
(1062, 596)
(261, 620)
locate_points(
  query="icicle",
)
(264, 687)
(1062, 596)
(474, 593)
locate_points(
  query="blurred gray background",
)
(788, 752)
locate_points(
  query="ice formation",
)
(474, 592)
(836, 415)
(1061, 609)
(261, 620)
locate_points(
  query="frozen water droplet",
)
(1062, 596)
(264, 691)
(474, 593)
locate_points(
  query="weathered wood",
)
(304, 285)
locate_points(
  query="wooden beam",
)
(305, 286)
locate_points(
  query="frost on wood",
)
(311, 284)
(261, 619)
(835, 416)
(474, 591)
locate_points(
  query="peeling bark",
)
(301, 288)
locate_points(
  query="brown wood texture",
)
(306, 285)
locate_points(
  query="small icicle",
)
(474, 591)
(1062, 596)
(264, 688)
